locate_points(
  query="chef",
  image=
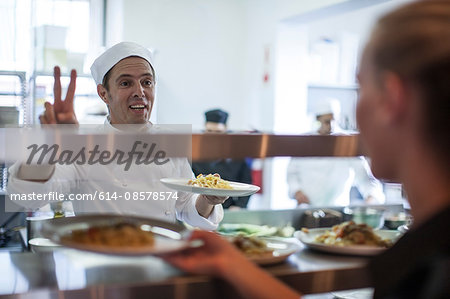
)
(230, 170)
(125, 79)
(326, 181)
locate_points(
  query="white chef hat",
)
(328, 106)
(116, 53)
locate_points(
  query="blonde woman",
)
(404, 117)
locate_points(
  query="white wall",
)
(114, 22)
(210, 54)
(359, 22)
(198, 56)
(215, 53)
(357, 26)
(265, 32)
(291, 98)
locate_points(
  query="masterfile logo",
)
(94, 165)
(140, 153)
(125, 146)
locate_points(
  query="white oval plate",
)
(282, 249)
(42, 242)
(169, 237)
(239, 189)
(309, 240)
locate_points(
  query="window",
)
(16, 41)
(36, 33)
(39, 34)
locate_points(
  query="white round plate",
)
(282, 249)
(309, 239)
(239, 189)
(169, 237)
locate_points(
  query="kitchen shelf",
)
(333, 86)
(50, 74)
(218, 146)
(84, 95)
(14, 94)
(24, 105)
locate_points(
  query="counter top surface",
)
(68, 273)
(67, 269)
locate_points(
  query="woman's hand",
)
(215, 257)
(218, 257)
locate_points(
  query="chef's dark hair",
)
(414, 42)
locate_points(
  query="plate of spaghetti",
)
(210, 184)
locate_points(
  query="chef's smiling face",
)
(130, 91)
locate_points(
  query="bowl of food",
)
(320, 218)
(374, 217)
(394, 221)
(42, 245)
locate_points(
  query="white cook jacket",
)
(87, 179)
(327, 181)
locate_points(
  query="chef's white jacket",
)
(327, 181)
(112, 178)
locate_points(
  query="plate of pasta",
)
(265, 250)
(211, 184)
(348, 238)
(117, 234)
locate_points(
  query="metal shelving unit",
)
(24, 106)
(45, 81)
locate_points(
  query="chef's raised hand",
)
(205, 204)
(62, 111)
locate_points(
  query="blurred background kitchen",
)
(268, 63)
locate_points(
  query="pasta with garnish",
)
(349, 233)
(251, 246)
(210, 181)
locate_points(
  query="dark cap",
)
(216, 116)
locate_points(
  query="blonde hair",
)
(414, 42)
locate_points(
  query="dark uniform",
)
(418, 265)
(230, 170)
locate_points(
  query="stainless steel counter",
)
(68, 273)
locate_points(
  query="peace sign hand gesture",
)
(61, 112)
